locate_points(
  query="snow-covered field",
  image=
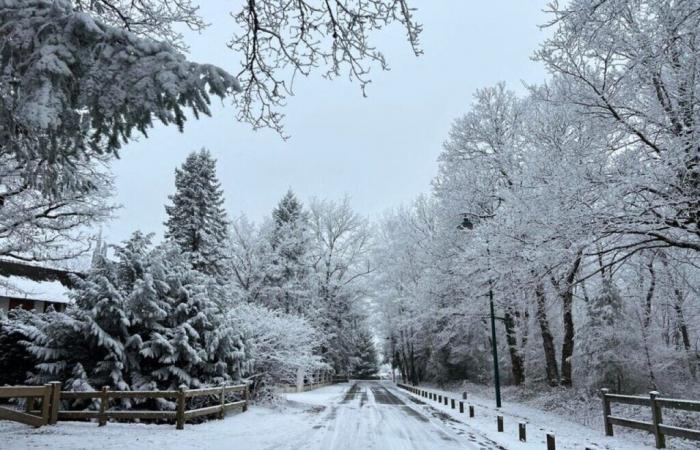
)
(361, 415)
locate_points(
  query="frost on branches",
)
(73, 87)
(574, 207)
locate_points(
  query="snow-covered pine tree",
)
(102, 317)
(365, 356)
(197, 221)
(288, 271)
(190, 346)
(611, 351)
(16, 362)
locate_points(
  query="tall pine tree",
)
(288, 284)
(197, 221)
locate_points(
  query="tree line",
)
(573, 206)
(216, 301)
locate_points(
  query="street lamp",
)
(494, 347)
(467, 224)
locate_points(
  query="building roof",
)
(26, 288)
(32, 282)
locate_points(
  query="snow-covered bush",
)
(278, 344)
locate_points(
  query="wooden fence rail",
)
(51, 397)
(656, 426)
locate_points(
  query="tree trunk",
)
(650, 293)
(516, 359)
(550, 355)
(683, 328)
(567, 348)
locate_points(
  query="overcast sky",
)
(381, 150)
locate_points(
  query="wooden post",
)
(180, 414)
(445, 400)
(657, 419)
(499, 423)
(464, 395)
(461, 407)
(522, 432)
(246, 398)
(46, 404)
(452, 401)
(55, 401)
(471, 410)
(551, 442)
(104, 405)
(606, 412)
(223, 401)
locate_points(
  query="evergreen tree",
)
(365, 356)
(196, 219)
(288, 272)
(609, 350)
(146, 320)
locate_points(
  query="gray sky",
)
(381, 150)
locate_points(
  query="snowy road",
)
(376, 415)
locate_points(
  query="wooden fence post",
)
(246, 398)
(551, 442)
(223, 401)
(471, 410)
(46, 404)
(461, 407)
(606, 412)
(180, 414)
(657, 419)
(522, 432)
(104, 404)
(499, 423)
(55, 401)
(439, 398)
(445, 400)
(464, 395)
(452, 401)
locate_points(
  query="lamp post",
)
(469, 225)
(494, 348)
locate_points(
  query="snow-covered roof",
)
(26, 288)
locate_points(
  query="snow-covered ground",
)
(361, 415)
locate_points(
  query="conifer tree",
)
(365, 356)
(289, 270)
(197, 221)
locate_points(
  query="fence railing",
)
(656, 426)
(51, 397)
(45, 394)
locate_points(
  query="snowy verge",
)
(260, 428)
(568, 433)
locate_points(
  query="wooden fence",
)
(656, 426)
(51, 397)
(310, 383)
(47, 395)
